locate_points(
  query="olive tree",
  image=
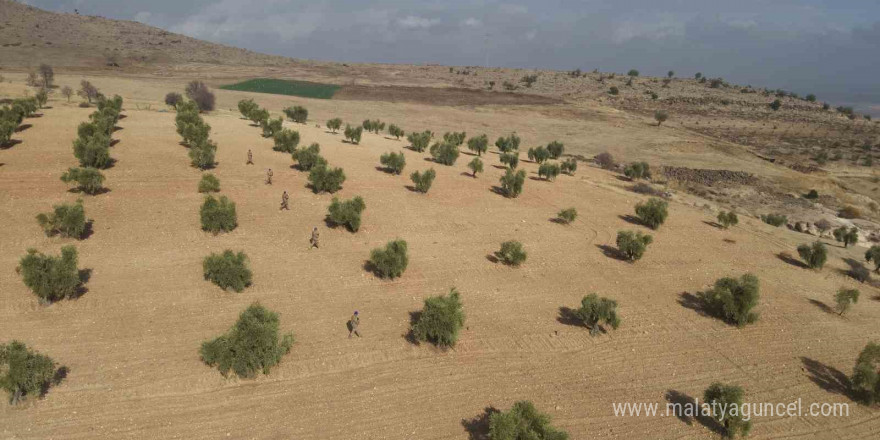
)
(814, 255)
(353, 134)
(511, 253)
(845, 298)
(548, 170)
(251, 346)
(873, 254)
(632, 245)
(88, 180)
(395, 131)
(297, 114)
(334, 124)
(866, 374)
(652, 213)
(567, 215)
(727, 219)
(440, 320)
(218, 215)
(228, 270)
(846, 235)
(638, 170)
(65, 220)
(51, 278)
(539, 154)
(726, 402)
(309, 157)
(286, 141)
(478, 144)
(732, 299)
(476, 166)
(508, 144)
(325, 179)
(555, 149)
(25, 372)
(423, 180)
(595, 311)
(393, 162)
(346, 213)
(522, 422)
(512, 183)
(444, 153)
(391, 261)
(419, 141)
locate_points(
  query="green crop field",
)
(285, 87)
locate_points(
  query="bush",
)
(218, 215)
(334, 124)
(201, 154)
(209, 183)
(595, 311)
(548, 170)
(201, 95)
(478, 144)
(325, 179)
(866, 374)
(815, 255)
(258, 115)
(508, 144)
(297, 114)
(727, 219)
(353, 134)
(444, 153)
(246, 107)
(633, 73)
(286, 141)
(652, 213)
(733, 299)
(454, 138)
(539, 154)
(393, 162)
(776, 105)
(423, 180)
(523, 421)
(605, 161)
(390, 262)
(440, 320)
(252, 345)
(7, 128)
(88, 180)
(774, 219)
(661, 116)
(419, 141)
(726, 401)
(347, 213)
(614, 90)
(395, 131)
(638, 170)
(512, 183)
(812, 195)
(51, 278)
(41, 97)
(228, 270)
(271, 126)
(308, 158)
(567, 215)
(66, 220)
(476, 165)
(632, 245)
(811, 98)
(93, 151)
(172, 99)
(846, 235)
(24, 372)
(873, 254)
(845, 298)
(850, 212)
(511, 253)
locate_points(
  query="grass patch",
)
(285, 87)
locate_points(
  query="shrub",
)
(632, 245)
(661, 116)
(873, 254)
(353, 134)
(727, 219)
(24, 372)
(454, 138)
(614, 90)
(595, 311)
(246, 107)
(733, 299)
(715, 83)
(228, 270)
(638, 170)
(539, 154)
(67, 92)
(218, 215)
(297, 114)
(172, 99)
(508, 144)
(850, 212)
(308, 158)
(774, 219)
(478, 144)
(866, 374)
(776, 105)
(87, 91)
(811, 98)
(271, 126)
(812, 195)
(347, 213)
(7, 128)
(201, 95)
(41, 97)
(652, 213)
(510, 159)
(511, 253)
(815, 255)
(66, 220)
(88, 180)
(93, 151)
(201, 154)
(209, 183)
(325, 179)
(440, 320)
(51, 278)
(523, 421)
(393, 162)
(390, 262)
(286, 141)
(512, 183)
(476, 165)
(726, 402)
(847, 236)
(334, 124)
(567, 215)
(395, 131)
(252, 345)
(633, 73)
(556, 149)
(258, 115)
(569, 166)
(845, 298)
(605, 160)
(419, 141)
(444, 153)
(47, 75)
(548, 170)
(423, 180)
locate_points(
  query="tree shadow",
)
(612, 252)
(467, 174)
(713, 224)
(727, 240)
(78, 190)
(121, 117)
(410, 336)
(822, 306)
(498, 190)
(500, 167)
(57, 377)
(9, 144)
(876, 298)
(568, 316)
(685, 408)
(492, 258)
(631, 219)
(113, 142)
(828, 378)
(857, 271)
(88, 230)
(23, 127)
(84, 276)
(558, 221)
(412, 188)
(786, 257)
(538, 179)
(623, 178)
(117, 128)
(694, 302)
(478, 426)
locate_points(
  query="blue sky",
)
(831, 48)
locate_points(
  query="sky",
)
(827, 47)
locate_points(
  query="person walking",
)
(269, 176)
(250, 160)
(313, 242)
(284, 199)
(353, 324)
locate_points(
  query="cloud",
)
(413, 22)
(472, 22)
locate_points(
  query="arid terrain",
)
(131, 341)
